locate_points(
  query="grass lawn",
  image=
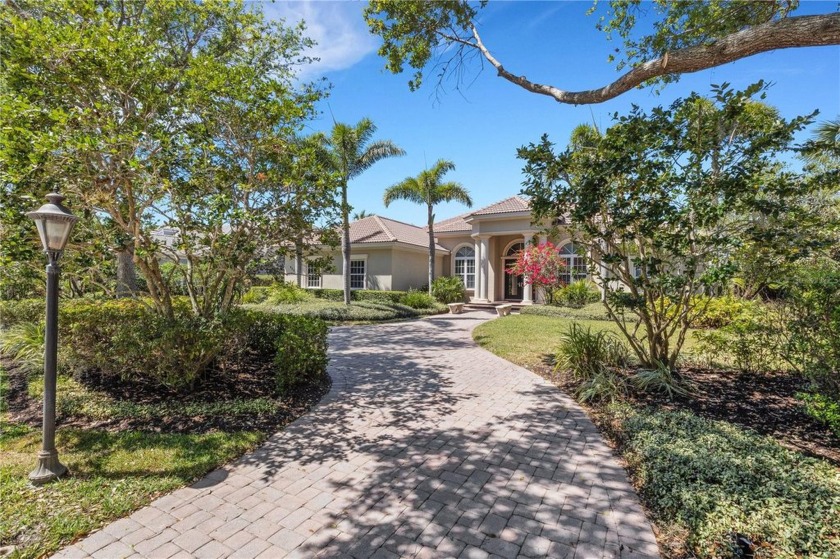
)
(701, 478)
(530, 340)
(112, 475)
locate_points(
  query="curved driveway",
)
(426, 446)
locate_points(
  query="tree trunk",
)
(299, 264)
(126, 273)
(345, 242)
(431, 248)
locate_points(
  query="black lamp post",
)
(55, 223)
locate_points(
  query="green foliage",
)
(813, 312)
(592, 311)
(301, 349)
(721, 311)
(23, 310)
(661, 379)
(449, 289)
(360, 311)
(680, 185)
(257, 294)
(585, 353)
(98, 91)
(750, 342)
(712, 478)
(24, 344)
(127, 339)
(418, 300)
(577, 294)
(359, 295)
(603, 386)
(285, 292)
(822, 408)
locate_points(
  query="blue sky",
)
(480, 124)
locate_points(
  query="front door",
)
(513, 283)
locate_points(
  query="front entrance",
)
(514, 285)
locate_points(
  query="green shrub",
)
(660, 379)
(823, 409)
(24, 344)
(23, 310)
(749, 342)
(577, 294)
(602, 386)
(280, 293)
(255, 295)
(301, 351)
(449, 289)
(359, 295)
(585, 353)
(592, 311)
(711, 479)
(418, 300)
(722, 311)
(127, 339)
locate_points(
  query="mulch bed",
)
(216, 386)
(765, 403)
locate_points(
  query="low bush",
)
(593, 311)
(712, 479)
(418, 300)
(823, 409)
(23, 310)
(449, 289)
(372, 295)
(661, 379)
(750, 343)
(577, 294)
(361, 311)
(126, 339)
(257, 294)
(602, 386)
(723, 311)
(585, 353)
(24, 343)
(284, 292)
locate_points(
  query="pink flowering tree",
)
(542, 267)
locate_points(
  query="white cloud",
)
(337, 27)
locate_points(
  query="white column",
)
(485, 260)
(479, 281)
(543, 239)
(527, 289)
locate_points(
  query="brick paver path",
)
(426, 446)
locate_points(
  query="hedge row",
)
(126, 339)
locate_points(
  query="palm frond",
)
(452, 192)
(409, 189)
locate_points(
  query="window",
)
(465, 266)
(357, 274)
(313, 276)
(576, 267)
(515, 249)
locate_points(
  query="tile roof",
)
(509, 205)
(453, 224)
(378, 229)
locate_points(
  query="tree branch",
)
(801, 31)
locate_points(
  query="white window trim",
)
(305, 274)
(475, 264)
(363, 257)
(586, 259)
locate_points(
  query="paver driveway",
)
(426, 446)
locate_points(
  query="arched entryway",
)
(513, 286)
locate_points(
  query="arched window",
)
(515, 249)
(575, 261)
(465, 266)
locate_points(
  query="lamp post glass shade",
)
(54, 223)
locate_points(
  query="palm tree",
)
(361, 215)
(350, 151)
(427, 188)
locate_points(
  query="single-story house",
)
(477, 246)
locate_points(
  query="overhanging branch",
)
(801, 31)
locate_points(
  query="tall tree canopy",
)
(350, 151)
(661, 200)
(428, 188)
(162, 113)
(687, 37)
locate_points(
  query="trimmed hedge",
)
(22, 310)
(362, 311)
(359, 295)
(127, 339)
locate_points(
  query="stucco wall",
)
(378, 269)
(411, 269)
